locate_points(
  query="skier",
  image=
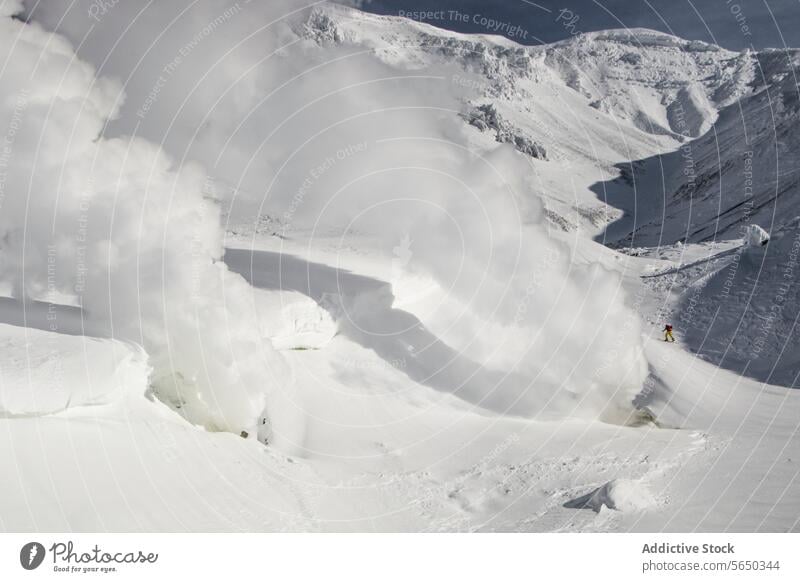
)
(668, 333)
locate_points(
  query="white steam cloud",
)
(120, 228)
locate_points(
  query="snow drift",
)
(56, 376)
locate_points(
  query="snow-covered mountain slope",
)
(735, 303)
(657, 82)
(664, 129)
(742, 171)
(641, 139)
(738, 310)
(643, 77)
(589, 105)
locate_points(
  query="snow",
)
(306, 325)
(52, 375)
(755, 236)
(428, 339)
(620, 494)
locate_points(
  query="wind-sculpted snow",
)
(57, 379)
(117, 227)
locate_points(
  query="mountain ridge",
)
(655, 93)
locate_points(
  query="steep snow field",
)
(394, 312)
